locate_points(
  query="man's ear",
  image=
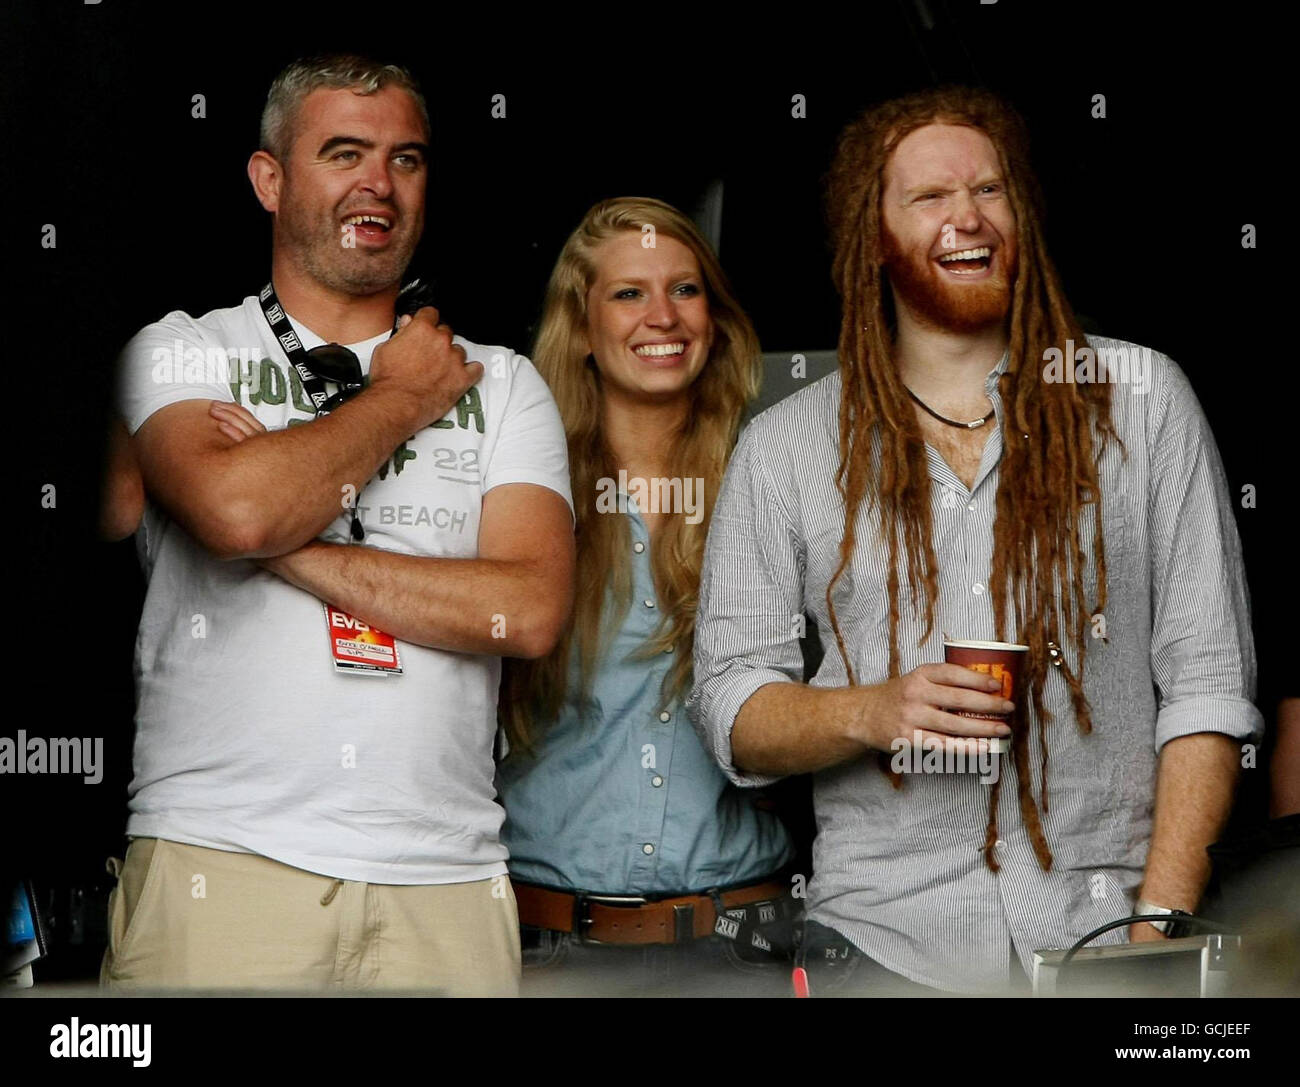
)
(266, 175)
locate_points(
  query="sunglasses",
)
(339, 364)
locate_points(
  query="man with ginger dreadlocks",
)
(949, 482)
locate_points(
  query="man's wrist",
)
(1164, 919)
(401, 406)
(862, 718)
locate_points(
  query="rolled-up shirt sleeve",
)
(1202, 648)
(750, 605)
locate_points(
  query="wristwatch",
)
(1172, 927)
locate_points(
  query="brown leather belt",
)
(631, 919)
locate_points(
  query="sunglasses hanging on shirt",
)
(333, 362)
(338, 364)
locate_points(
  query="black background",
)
(154, 212)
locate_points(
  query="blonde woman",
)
(636, 865)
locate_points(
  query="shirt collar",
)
(310, 339)
(994, 375)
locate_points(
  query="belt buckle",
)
(581, 900)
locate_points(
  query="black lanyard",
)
(292, 345)
(409, 299)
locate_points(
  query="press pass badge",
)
(360, 649)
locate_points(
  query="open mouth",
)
(370, 227)
(967, 261)
(662, 354)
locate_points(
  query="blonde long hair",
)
(535, 691)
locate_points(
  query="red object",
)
(799, 978)
(358, 647)
(1000, 660)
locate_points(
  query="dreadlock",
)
(1048, 472)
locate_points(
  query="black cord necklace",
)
(974, 425)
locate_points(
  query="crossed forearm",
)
(324, 464)
(466, 605)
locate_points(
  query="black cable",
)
(1181, 918)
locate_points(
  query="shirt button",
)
(665, 716)
(971, 507)
(647, 849)
(638, 547)
(999, 843)
(649, 603)
(656, 781)
(977, 588)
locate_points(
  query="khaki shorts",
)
(183, 916)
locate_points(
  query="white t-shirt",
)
(246, 737)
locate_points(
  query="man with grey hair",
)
(340, 543)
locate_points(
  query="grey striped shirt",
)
(900, 873)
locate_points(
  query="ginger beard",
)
(935, 298)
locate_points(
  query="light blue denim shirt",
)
(626, 800)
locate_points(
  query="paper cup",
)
(1002, 661)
